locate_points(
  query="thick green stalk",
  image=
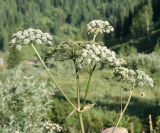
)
(55, 82)
(122, 113)
(78, 99)
(81, 122)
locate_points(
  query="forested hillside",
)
(68, 18)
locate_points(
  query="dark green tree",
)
(14, 57)
(142, 22)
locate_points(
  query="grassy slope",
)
(105, 92)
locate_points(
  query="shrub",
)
(148, 61)
(24, 104)
(14, 57)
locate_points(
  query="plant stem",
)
(78, 89)
(55, 82)
(78, 99)
(90, 75)
(121, 115)
(94, 37)
(81, 122)
(88, 84)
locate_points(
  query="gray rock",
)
(118, 130)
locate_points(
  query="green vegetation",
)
(29, 98)
(105, 93)
(67, 19)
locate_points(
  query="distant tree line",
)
(67, 18)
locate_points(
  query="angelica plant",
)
(85, 55)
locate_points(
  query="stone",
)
(118, 130)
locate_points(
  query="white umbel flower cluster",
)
(52, 127)
(137, 77)
(99, 26)
(93, 54)
(29, 36)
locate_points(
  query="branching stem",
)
(122, 113)
(88, 84)
(54, 81)
(95, 35)
(78, 98)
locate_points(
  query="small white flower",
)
(112, 29)
(103, 55)
(103, 48)
(38, 35)
(107, 30)
(110, 59)
(49, 42)
(93, 23)
(21, 37)
(132, 80)
(13, 41)
(93, 55)
(140, 72)
(19, 33)
(93, 46)
(31, 33)
(151, 80)
(106, 22)
(151, 84)
(99, 47)
(84, 54)
(88, 46)
(19, 47)
(26, 41)
(97, 52)
(44, 38)
(38, 41)
(146, 77)
(116, 62)
(32, 38)
(139, 77)
(84, 50)
(48, 36)
(113, 53)
(121, 61)
(131, 72)
(140, 83)
(90, 52)
(79, 66)
(125, 69)
(89, 61)
(25, 33)
(97, 59)
(107, 51)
